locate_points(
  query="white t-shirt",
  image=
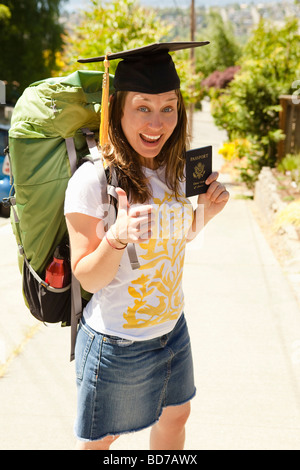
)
(143, 303)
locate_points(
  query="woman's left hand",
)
(216, 197)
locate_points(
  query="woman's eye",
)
(143, 109)
(168, 109)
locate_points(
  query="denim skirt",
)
(123, 386)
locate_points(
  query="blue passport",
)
(198, 169)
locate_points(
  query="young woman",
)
(133, 356)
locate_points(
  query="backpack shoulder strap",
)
(108, 188)
(109, 194)
(113, 200)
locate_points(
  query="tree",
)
(116, 26)
(4, 14)
(249, 107)
(30, 37)
(224, 50)
(110, 27)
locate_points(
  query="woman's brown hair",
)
(126, 161)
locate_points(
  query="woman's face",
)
(148, 121)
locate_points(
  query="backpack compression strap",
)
(108, 190)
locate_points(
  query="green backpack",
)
(54, 128)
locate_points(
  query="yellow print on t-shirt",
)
(157, 296)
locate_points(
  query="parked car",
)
(5, 186)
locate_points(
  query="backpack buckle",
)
(9, 201)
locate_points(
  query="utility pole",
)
(192, 57)
(193, 25)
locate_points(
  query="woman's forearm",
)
(97, 269)
(96, 256)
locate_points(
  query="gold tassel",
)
(104, 105)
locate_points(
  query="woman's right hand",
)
(95, 261)
(133, 224)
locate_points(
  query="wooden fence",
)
(289, 122)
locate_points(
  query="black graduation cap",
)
(149, 69)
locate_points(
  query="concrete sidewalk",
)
(244, 321)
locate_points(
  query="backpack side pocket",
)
(46, 303)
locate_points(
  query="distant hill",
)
(207, 3)
(79, 4)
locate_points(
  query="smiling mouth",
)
(150, 139)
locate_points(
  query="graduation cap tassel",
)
(104, 105)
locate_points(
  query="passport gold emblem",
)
(199, 171)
